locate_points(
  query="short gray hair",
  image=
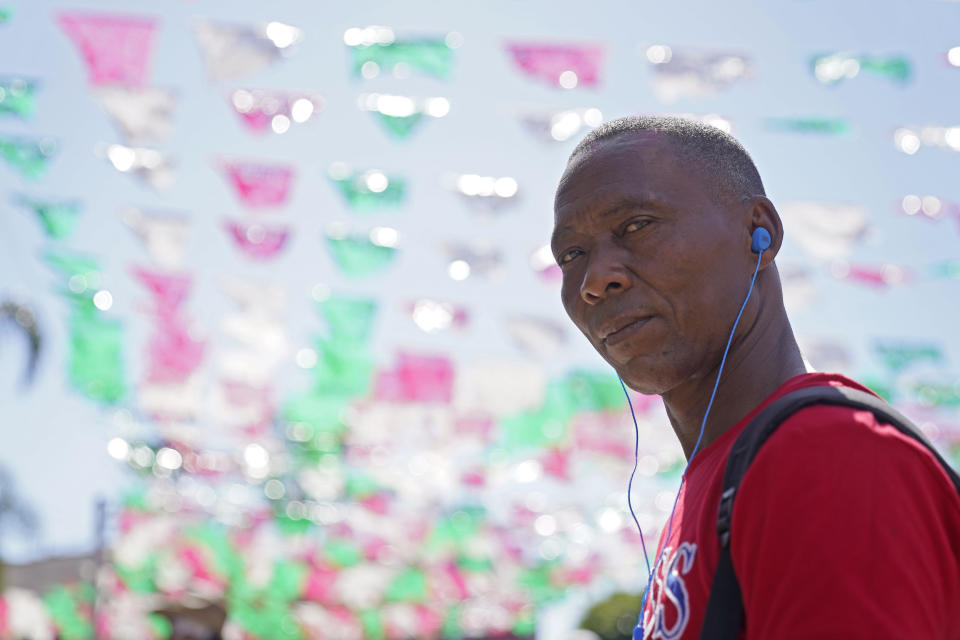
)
(714, 150)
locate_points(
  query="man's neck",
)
(760, 360)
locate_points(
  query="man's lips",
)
(624, 330)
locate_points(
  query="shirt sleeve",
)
(845, 528)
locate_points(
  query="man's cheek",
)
(569, 300)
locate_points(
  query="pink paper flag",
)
(116, 48)
(417, 379)
(597, 432)
(169, 290)
(259, 185)
(252, 403)
(475, 424)
(541, 260)
(429, 621)
(551, 273)
(582, 574)
(319, 583)
(199, 563)
(173, 353)
(930, 207)
(457, 580)
(555, 63)
(881, 276)
(257, 241)
(261, 110)
(556, 462)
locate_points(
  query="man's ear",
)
(764, 214)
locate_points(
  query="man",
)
(842, 527)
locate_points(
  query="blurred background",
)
(281, 348)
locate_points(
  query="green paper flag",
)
(834, 67)
(96, 357)
(343, 368)
(82, 273)
(266, 612)
(58, 218)
(95, 360)
(372, 624)
(287, 581)
(534, 430)
(946, 270)
(160, 624)
(371, 190)
(320, 411)
(316, 428)
(453, 532)
(410, 585)
(452, 630)
(342, 553)
(17, 97)
(263, 617)
(538, 583)
(879, 387)
(896, 68)
(940, 395)
(400, 126)
(525, 623)
(673, 469)
(430, 57)
(66, 607)
(546, 426)
(139, 579)
(136, 499)
(29, 157)
(348, 319)
(588, 391)
(361, 485)
(898, 357)
(291, 526)
(215, 539)
(358, 257)
(828, 126)
(474, 564)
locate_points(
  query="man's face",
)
(654, 265)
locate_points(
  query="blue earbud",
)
(760, 240)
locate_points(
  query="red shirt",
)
(842, 528)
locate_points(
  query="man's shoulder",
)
(818, 425)
(828, 443)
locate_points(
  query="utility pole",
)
(100, 530)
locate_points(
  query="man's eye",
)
(636, 225)
(568, 256)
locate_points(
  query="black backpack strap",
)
(724, 615)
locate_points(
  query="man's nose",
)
(606, 275)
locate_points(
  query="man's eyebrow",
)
(650, 203)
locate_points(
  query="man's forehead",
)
(624, 151)
(613, 169)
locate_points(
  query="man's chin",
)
(644, 378)
(646, 388)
